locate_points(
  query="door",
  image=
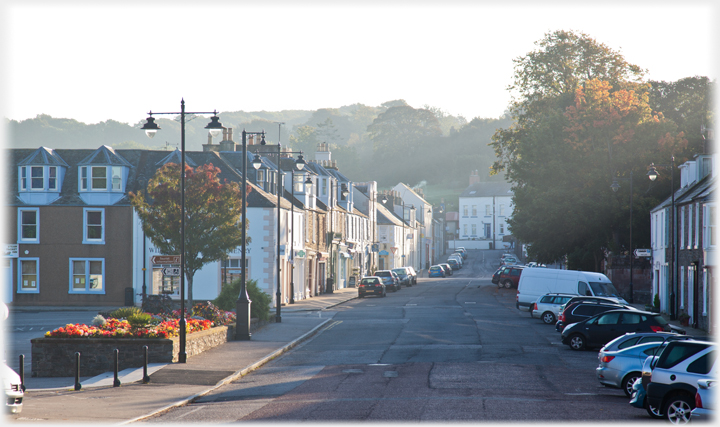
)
(604, 329)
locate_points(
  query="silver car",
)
(547, 307)
(621, 368)
(704, 401)
(13, 390)
(636, 338)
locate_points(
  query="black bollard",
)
(22, 372)
(77, 372)
(116, 381)
(146, 378)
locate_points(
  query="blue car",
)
(436, 271)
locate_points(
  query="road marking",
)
(470, 302)
(190, 412)
(352, 371)
(410, 304)
(390, 374)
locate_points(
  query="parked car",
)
(675, 374)
(436, 271)
(638, 399)
(371, 285)
(456, 258)
(14, 392)
(413, 275)
(637, 338)
(621, 368)
(389, 278)
(508, 261)
(509, 276)
(463, 252)
(547, 307)
(447, 268)
(403, 276)
(454, 264)
(600, 329)
(577, 298)
(584, 310)
(704, 401)
(496, 275)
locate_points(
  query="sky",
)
(118, 61)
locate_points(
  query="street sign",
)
(165, 259)
(643, 252)
(393, 250)
(171, 271)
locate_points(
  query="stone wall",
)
(55, 357)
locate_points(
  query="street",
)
(447, 349)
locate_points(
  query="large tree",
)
(581, 119)
(213, 223)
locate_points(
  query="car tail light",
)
(606, 359)
(656, 328)
(517, 297)
(535, 306)
(561, 317)
(698, 400)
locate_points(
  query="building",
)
(484, 208)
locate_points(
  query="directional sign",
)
(165, 259)
(171, 271)
(643, 252)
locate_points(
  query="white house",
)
(484, 208)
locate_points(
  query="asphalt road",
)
(452, 349)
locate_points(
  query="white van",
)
(536, 282)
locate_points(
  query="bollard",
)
(22, 372)
(146, 378)
(77, 372)
(116, 381)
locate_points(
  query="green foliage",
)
(656, 301)
(125, 312)
(260, 307)
(209, 311)
(98, 320)
(139, 320)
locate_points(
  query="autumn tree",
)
(581, 117)
(213, 223)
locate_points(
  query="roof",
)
(488, 189)
(43, 156)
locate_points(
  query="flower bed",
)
(116, 328)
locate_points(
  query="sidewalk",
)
(690, 331)
(55, 400)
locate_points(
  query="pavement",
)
(175, 384)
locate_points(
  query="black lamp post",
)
(615, 187)
(333, 193)
(653, 174)
(151, 128)
(256, 164)
(299, 164)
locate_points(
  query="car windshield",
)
(383, 273)
(400, 272)
(604, 289)
(368, 281)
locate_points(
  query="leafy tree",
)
(581, 118)
(304, 138)
(213, 223)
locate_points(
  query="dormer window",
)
(96, 177)
(38, 178)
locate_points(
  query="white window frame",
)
(23, 178)
(86, 239)
(474, 210)
(20, 288)
(682, 286)
(697, 225)
(488, 210)
(502, 228)
(502, 210)
(465, 210)
(682, 226)
(20, 238)
(33, 178)
(87, 273)
(474, 230)
(709, 226)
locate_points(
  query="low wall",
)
(55, 357)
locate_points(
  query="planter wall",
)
(55, 357)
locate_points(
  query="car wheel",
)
(678, 409)
(652, 411)
(627, 382)
(507, 284)
(548, 317)
(577, 342)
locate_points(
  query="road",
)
(447, 349)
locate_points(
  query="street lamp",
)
(653, 174)
(299, 164)
(151, 128)
(615, 187)
(257, 162)
(333, 192)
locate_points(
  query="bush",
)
(98, 320)
(125, 312)
(228, 297)
(139, 320)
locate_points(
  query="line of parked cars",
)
(384, 280)
(454, 262)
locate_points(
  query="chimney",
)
(474, 177)
(229, 130)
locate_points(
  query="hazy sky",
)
(93, 63)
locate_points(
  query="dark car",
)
(447, 268)
(371, 285)
(390, 279)
(403, 276)
(602, 328)
(584, 310)
(580, 298)
(509, 276)
(496, 275)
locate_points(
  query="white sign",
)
(643, 252)
(11, 250)
(171, 271)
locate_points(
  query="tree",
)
(581, 118)
(213, 223)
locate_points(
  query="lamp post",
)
(256, 164)
(615, 187)
(653, 174)
(333, 192)
(151, 128)
(299, 164)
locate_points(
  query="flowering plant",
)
(114, 328)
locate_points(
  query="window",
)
(465, 229)
(502, 228)
(609, 319)
(29, 280)
(86, 275)
(675, 354)
(710, 220)
(502, 210)
(631, 319)
(99, 178)
(37, 179)
(488, 210)
(29, 225)
(697, 224)
(323, 186)
(83, 179)
(584, 289)
(682, 287)
(94, 225)
(703, 364)
(117, 178)
(52, 178)
(231, 270)
(628, 343)
(23, 178)
(465, 211)
(474, 210)
(487, 231)
(298, 182)
(474, 230)
(682, 226)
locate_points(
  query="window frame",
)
(20, 238)
(20, 288)
(92, 241)
(87, 290)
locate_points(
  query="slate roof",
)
(104, 156)
(488, 189)
(43, 156)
